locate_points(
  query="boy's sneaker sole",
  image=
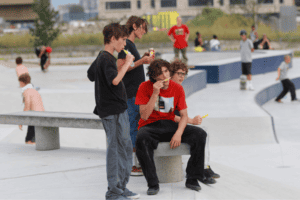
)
(136, 171)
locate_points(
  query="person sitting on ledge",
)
(264, 43)
(178, 72)
(32, 101)
(157, 99)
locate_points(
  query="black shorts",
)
(246, 68)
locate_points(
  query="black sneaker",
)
(153, 190)
(207, 180)
(210, 173)
(192, 184)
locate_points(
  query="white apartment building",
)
(90, 6)
(120, 8)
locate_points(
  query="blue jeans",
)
(118, 153)
(134, 117)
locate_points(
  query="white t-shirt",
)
(214, 43)
(246, 47)
(284, 67)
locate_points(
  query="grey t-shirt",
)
(252, 36)
(246, 47)
(284, 67)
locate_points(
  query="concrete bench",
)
(168, 161)
(47, 125)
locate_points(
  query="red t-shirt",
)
(179, 34)
(173, 97)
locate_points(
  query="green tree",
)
(44, 32)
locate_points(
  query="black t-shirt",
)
(135, 77)
(266, 45)
(110, 99)
(197, 43)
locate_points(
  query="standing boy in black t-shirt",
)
(111, 106)
(134, 76)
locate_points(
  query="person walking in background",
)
(214, 44)
(32, 102)
(179, 35)
(287, 84)
(111, 106)
(20, 69)
(44, 54)
(178, 72)
(246, 46)
(134, 76)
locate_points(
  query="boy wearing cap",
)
(246, 49)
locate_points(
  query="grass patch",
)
(212, 21)
(296, 53)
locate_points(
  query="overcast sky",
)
(56, 3)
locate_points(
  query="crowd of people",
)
(138, 114)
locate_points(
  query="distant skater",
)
(287, 84)
(32, 102)
(44, 54)
(246, 49)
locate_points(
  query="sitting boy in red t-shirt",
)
(157, 99)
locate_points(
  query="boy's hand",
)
(157, 86)
(197, 120)
(175, 141)
(129, 58)
(277, 78)
(147, 59)
(146, 54)
(20, 127)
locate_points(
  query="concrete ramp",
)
(239, 130)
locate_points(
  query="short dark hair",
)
(154, 69)
(138, 21)
(176, 65)
(19, 60)
(114, 29)
(197, 33)
(25, 78)
(215, 37)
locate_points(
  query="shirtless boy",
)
(20, 69)
(32, 102)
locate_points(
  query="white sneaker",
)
(251, 87)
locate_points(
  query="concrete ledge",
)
(53, 119)
(273, 91)
(195, 82)
(164, 149)
(227, 69)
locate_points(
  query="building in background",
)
(85, 10)
(64, 12)
(17, 12)
(90, 7)
(185, 8)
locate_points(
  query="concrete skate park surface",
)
(243, 149)
(225, 66)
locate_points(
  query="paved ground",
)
(243, 150)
